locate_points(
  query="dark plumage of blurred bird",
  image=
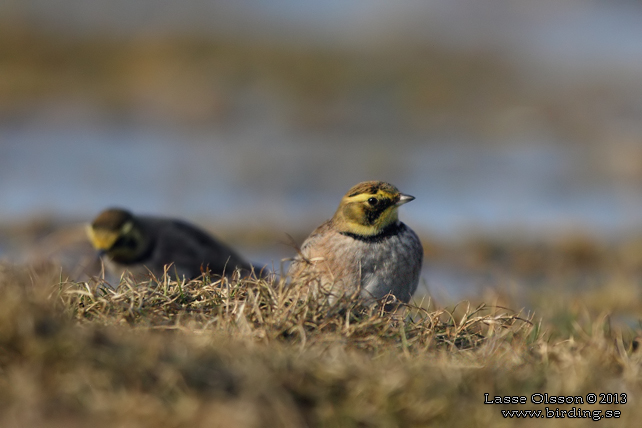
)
(143, 244)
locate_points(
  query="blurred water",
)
(294, 180)
(263, 173)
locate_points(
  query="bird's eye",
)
(373, 201)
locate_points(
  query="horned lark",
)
(363, 248)
(141, 244)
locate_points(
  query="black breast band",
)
(386, 233)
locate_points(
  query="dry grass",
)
(270, 311)
(253, 353)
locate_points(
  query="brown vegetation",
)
(252, 353)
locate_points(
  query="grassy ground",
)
(252, 353)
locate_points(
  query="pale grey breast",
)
(375, 265)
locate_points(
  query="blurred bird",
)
(141, 244)
(363, 248)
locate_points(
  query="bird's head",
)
(369, 208)
(116, 233)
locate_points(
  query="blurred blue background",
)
(499, 116)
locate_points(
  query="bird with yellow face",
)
(363, 248)
(143, 244)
